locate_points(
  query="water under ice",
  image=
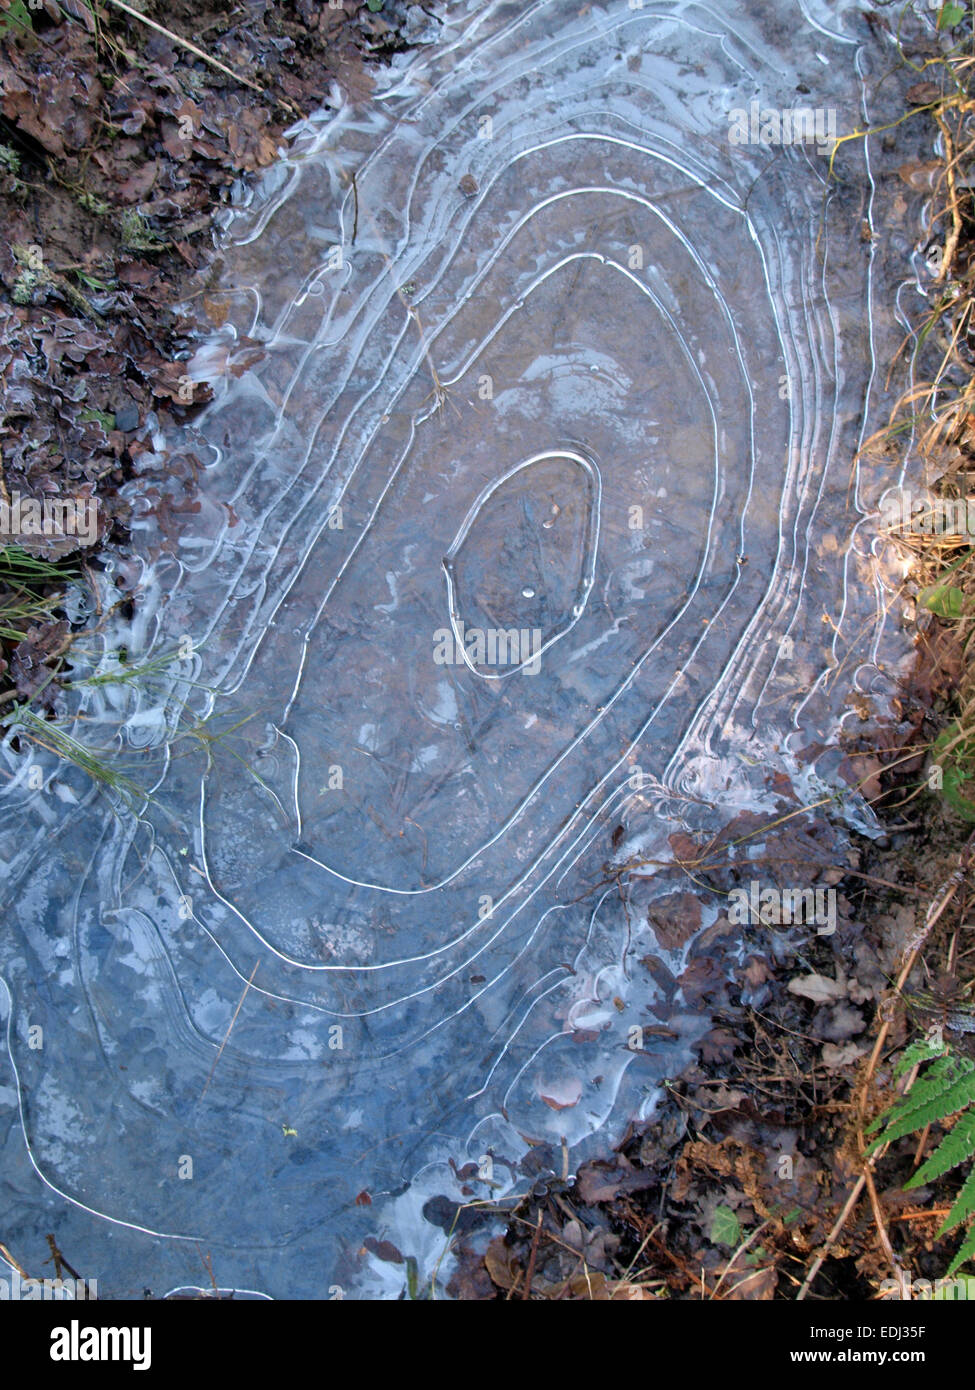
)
(518, 524)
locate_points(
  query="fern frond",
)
(963, 1208)
(917, 1053)
(955, 1148)
(947, 1086)
(939, 1075)
(967, 1252)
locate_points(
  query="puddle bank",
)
(562, 358)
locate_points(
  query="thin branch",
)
(229, 1029)
(185, 43)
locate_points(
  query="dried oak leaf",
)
(28, 663)
(601, 1180)
(501, 1264)
(686, 849)
(250, 143)
(134, 188)
(923, 93)
(819, 988)
(562, 1095)
(839, 1057)
(81, 11)
(470, 1281)
(717, 1047)
(169, 381)
(60, 114)
(383, 1250)
(674, 919)
(742, 1282)
(354, 78)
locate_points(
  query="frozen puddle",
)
(532, 519)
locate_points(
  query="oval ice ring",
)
(493, 632)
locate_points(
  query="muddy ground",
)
(117, 147)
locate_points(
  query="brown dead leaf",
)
(249, 141)
(623, 1292)
(562, 1095)
(818, 988)
(501, 1264)
(836, 1057)
(383, 1250)
(139, 182)
(355, 79)
(741, 1282)
(674, 919)
(588, 1286)
(601, 1180)
(923, 93)
(717, 1046)
(216, 310)
(686, 849)
(921, 175)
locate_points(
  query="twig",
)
(60, 1262)
(921, 1145)
(831, 1239)
(229, 1029)
(531, 1258)
(952, 239)
(878, 1218)
(938, 1212)
(185, 43)
(14, 1263)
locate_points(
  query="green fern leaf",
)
(954, 1148)
(932, 1083)
(918, 1052)
(967, 1252)
(964, 1206)
(948, 1086)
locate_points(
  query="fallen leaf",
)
(819, 988)
(562, 1095)
(837, 1056)
(383, 1250)
(601, 1180)
(500, 1262)
(922, 93)
(757, 1286)
(631, 1293)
